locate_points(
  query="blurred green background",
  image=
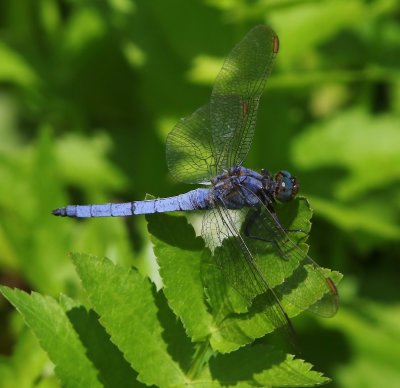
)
(88, 92)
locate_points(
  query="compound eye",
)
(286, 186)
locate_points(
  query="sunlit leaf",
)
(126, 306)
(367, 147)
(57, 336)
(15, 69)
(113, 369)
(266, 367)
(192, 279)
(296, 26)
(179, 254)
(85, 26)
(366, 150)
(87, 156)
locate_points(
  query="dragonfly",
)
(237, 204)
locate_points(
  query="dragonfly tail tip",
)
(59, 212)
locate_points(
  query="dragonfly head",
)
(286, 186)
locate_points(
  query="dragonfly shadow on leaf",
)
(233, 307)
(289, 214)
(174, 231)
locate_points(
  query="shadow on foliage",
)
(233, 367)
(174, 231)
(179, 345)
(114, 370)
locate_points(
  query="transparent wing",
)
(233, 257)
(286, 266)
(268, 268)
(219, 135)
(236, 94)
(190, 155)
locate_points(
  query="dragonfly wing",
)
(233, 257)
(236, 94)
(287, 266)
(190, 155)
(219, 135)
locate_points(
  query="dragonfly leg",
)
(275, 216)
(306, 234)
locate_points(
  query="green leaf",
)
(57, 336)
(85, 27)
(265, 366)
(352, 219)
(367, 147)
(83, 162)
(30, 173)
(296, 26)
(179, 254)
(25, 365)
(126, 305)
(114, 370)
(14, 68)
(366, 162)
(99, 237)
(195, 287)
(185, 270)
(371, 330)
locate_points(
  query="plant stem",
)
(201, 356)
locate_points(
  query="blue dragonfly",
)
(240, 223)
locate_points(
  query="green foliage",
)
(88, 92)
(186, 269)
(130, 330)
(26, 363)
(57, 336)
(359, 154)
